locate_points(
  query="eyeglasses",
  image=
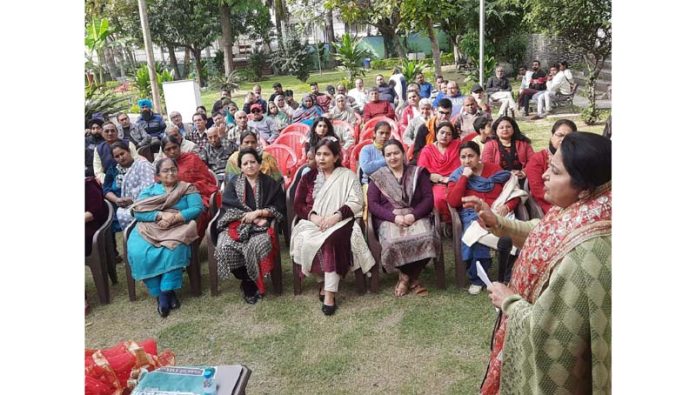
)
(172, 170)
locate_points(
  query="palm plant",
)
(98, 99)
(411, 68)
(350, 56)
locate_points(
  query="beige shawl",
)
(341, 188)
(169, 237)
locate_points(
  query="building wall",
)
(549, 50)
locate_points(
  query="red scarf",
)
(193, 170)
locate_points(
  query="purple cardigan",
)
(422, 201)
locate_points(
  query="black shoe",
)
(173, 301)
(329, 310)
(163, 306)
(251, 299)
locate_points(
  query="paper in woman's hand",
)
(482, 274)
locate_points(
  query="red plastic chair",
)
(293, 140)
(296, 127)
(367, 134)
(286, 158)
(374, 121)
(357, 126)
(355, 154)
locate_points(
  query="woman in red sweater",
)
(486, 181)
(511, 150)
(539, 162)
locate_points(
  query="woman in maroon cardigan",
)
(400, 199)
(510, 150)
(539, 162)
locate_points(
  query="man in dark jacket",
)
(386, 92)
(498, 89)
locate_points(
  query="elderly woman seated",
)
(327, 239)
(159, 246)
(495, 186)
(247, 243)
(400, 199)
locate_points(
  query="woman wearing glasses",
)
(158, 247)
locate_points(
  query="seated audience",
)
(216, 153)
(269, 166)
(498, 88)
(307, 111)
(425, 112)
(242, 121)
(159, 248)
(510, 149)
(279, 118)
(327, 241)
(400, 199)
(102, 152)
(247, 243)
(266, 128)
(376, 106)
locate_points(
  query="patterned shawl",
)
(304, 113)
(140, 175)
(398, 194)
(170, 237)
(558, 233)
(248, 245)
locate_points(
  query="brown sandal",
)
(402, 286)
(419, 289)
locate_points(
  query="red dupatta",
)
(558, 233)
(442, 164)
(193, 170)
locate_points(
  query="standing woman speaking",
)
(554, 334)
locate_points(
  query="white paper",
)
(482, 274)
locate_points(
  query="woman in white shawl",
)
(327, 241)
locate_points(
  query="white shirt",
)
(360, 97)
(561, 82)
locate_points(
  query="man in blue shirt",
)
(425, 87)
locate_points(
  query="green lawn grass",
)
(374, 344)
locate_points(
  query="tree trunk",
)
(102, 62)
(330, 37)
(110, 62)
(392, 44)
(594, 65)
(455, 49)
(187, 61)
(279, 13)
(199, 66)
(120, 61)
(172, 61)
(436, 47)
(227, 39)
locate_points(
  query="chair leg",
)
(277, 275)
(100, 278)
(213, 270)
(360, 282)
(286, 233)
(459, 266)
(439, 263)
(194, 270)
(296, 279)
(374, 279)
(129, 277)
(110, 245)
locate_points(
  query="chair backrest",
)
(213, 226)
(146, 153)
(355, 154)
(293, 140)
(296, 127)
(341, 127)
(286, 158)
(367, 133)
(374, 121)
(103, 227)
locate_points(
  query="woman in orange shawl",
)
(193, 170)
(441, 158)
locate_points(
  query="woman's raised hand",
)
(486, 217)
(467, 172)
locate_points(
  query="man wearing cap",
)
(176, 119)
(498, 88)
(277, 90)
(267, 129)
(481, 98)
(153, 124)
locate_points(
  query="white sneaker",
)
(475, 289)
